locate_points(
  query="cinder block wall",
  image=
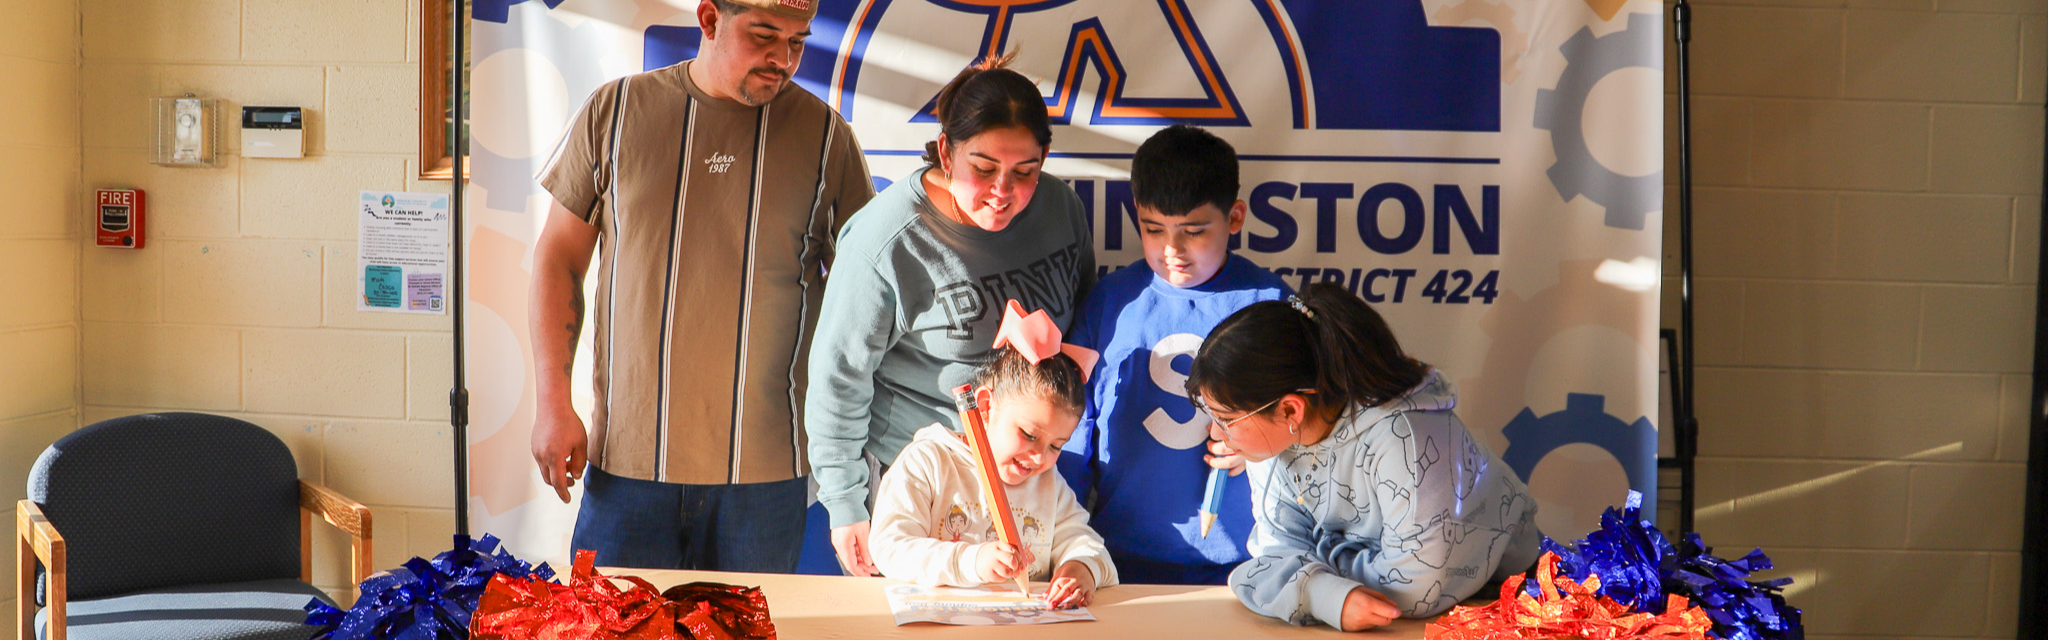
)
(38, 243)
(1867, 233)
(244, 303)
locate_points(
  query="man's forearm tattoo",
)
(575, 325)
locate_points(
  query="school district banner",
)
(1487, 173)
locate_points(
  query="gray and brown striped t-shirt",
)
(715, 224)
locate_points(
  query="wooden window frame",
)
(434, 160)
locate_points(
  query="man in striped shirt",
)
(712, 190)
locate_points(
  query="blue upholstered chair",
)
(173, 525)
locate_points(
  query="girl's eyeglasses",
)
(1226, 424)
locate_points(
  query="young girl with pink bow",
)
(1031, 396)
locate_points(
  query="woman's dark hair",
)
(987, 95)
(1345, 352)
(1056, 379)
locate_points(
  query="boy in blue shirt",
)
(1141, 445)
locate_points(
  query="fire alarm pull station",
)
(273, 132)
(120, 218)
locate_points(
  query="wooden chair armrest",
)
(345, 514)
(37, 539)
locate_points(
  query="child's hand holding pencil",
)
(997, 561)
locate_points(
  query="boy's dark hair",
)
(1345, 352)
(1056, 379)
(1183, 167)
(987, 95)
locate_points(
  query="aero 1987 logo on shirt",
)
(719, 162)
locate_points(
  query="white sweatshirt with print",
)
(929, 522)
(1400, 499)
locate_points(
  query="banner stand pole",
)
(1688, 423)
(2033, 611)
(458, 396)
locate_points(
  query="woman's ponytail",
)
(1324, 339)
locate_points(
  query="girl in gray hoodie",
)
(1372, 500)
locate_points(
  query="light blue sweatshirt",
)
(1400, 499)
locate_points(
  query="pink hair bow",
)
(1036, 337)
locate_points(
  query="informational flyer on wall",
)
(402, 252)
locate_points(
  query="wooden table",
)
(806, 607)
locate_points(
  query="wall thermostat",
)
(273, 132)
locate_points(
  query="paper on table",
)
(974, 606)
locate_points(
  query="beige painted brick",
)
(1767, 51)
(43, 192)
(237, 86)
(182, 202)
(2002, 597)
(1991, 6)
(1987, 149)
(121, 285)
(167, 366)
(1764, 233)
(2033, 57)
(1802, 503)
(45, 31)
(1928, 238)
(1965, 506)
(115, 101)
(40, 286)
(310, 30)
(1897, 55)
(1843, 145)
(2016, 393)
(373, 108)
(1989, 329)
(243, 282)
(344, 288)
(325, 372)
(429, 373)
(22, 440)
(331, 547)
(1722, 158)
(314, 197)
(430, 532)
(403, 464)
(1775, 413)
(1859, 593)
(42, 107)
(1717, 318)
(38, 370)
(163, 30)
(1830, 325)
(2026, 240)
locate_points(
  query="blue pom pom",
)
(424, 600)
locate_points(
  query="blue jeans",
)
(644, 524)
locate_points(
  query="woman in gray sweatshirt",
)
(920, 281)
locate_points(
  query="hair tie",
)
(1295, 301)
(1036, 337)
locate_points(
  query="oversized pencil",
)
(992, 493)
(1212, 498)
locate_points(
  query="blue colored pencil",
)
(1212, 500)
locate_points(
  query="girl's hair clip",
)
(1295, 301)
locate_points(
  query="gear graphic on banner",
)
(1584, 420)
(1561, 111)
(1513, 42)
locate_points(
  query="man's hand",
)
(1221, 456)
(999, 561)
(1365, 609)
(560, 447)
(850, 542)
(1073, 585)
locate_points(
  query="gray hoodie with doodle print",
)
(1400, 499)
